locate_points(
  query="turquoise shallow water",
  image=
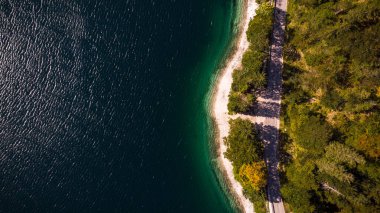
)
(104, 104)
(212, 61)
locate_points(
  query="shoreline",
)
(219, 101)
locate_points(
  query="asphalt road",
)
(268, 107)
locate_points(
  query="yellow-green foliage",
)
(331, 106)
(245, 151)
(253, 175)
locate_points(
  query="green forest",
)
(252, 75)
(245, 151)
(330, 129)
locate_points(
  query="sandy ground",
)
(220, 101)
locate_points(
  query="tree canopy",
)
(245, 151)
(331, 118)
(243, 146)
(252, 75)
(253, 175)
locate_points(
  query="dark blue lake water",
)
(103, 104)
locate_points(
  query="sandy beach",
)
(220, 101)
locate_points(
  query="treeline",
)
(331, 118)
(252, 75)
(244, 149)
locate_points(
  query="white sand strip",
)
(220, 101)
